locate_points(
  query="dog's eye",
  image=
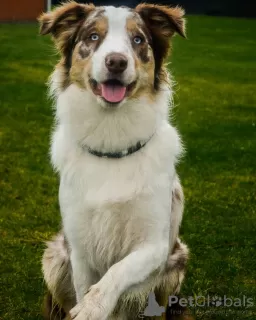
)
(94, 37)
(137, 40)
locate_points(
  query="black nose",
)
(116, 62)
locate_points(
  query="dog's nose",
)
(116, 62)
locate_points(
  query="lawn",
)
(215, 111)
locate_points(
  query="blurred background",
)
(215, 112)
(26, 10)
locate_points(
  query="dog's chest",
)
(110, 233)
(110, 206)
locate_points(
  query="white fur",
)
(117, 40)
(116, 212)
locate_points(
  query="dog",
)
(120, 197)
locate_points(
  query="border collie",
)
(120, 198)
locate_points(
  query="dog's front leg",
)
(83, 276)
(102, 297)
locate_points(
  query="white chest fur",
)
(109, 206)
(125, 201)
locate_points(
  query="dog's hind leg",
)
(58, 277)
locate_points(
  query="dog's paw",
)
(92, 307)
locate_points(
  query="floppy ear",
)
(63, 17)
(63, 23)
(163, 20)
(162, 23)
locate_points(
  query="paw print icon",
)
(216, 301)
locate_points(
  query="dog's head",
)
(115, 53)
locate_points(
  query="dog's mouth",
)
(112, 91)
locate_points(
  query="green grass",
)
(215, 112)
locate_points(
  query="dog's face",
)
(115, 53)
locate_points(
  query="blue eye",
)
(137, 39)
(94, 37)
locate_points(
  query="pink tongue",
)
(113, 92)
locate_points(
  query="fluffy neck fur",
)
(86, 122)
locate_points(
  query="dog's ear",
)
(163, 20)
(63, 22)
(162, 23)
(64, 17)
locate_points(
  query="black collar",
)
(118, 154)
